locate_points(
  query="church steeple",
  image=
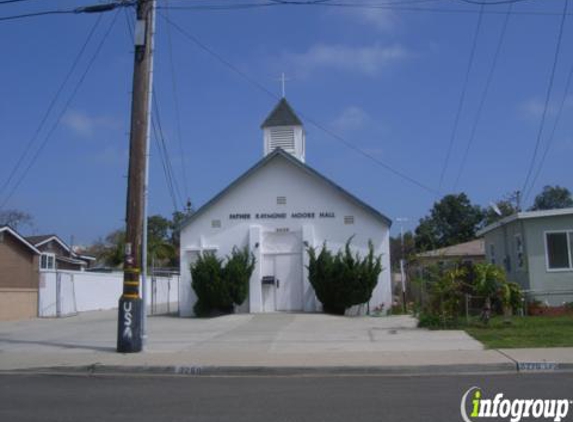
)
(283, 129)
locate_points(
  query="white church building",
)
(279, 208)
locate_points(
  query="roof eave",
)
(20, 238)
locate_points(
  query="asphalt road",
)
(253, 399)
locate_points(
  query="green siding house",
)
(536, 250)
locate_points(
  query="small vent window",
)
(281, 200)
(349, 219)
(282, 230)
(216, 224)
(282, 137)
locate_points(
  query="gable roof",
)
(472, 248)
(524, 216)
(282, 115)
(14, 233)
(294, 161)
(38, 241)
(34, 240)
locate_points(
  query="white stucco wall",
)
(305, 193)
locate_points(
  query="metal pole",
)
(401, 220)
(144, 292)
(129, 335)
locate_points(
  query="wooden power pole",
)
(129, 334)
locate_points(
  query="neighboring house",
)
(467, 252)
(56, 254)
(19, 276)
(536, 250)
(278, 209)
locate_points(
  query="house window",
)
(558, 247)
(519, 250)
(216, 224)
(281, 200)
(349, 219)
(492, 254)
(47, 261)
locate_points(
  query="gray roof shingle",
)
(282, 115)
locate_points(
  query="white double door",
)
(285, 294)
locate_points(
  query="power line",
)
(391, 5)
(547, 98)
(98, 8)
(62, 112)
(554, 129)
(484, 95)
(493, 2)
(158, 146)
(177, 111)
(462, 99)
(12, 1)
(35, 14)
(262, 88)
(51, 105)
(168, 168)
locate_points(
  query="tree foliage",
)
(552, 197)
(15, 219)
(506, 208)
(345, 279)
(447, 286)
(454, 219)
(162, 243)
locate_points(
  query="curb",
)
(197, 371)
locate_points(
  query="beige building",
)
(19, 276)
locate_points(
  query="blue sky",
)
(387, 81)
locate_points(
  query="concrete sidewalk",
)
(262, 343)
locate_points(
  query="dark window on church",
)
(281, 200)
(216, 224)
(349, 219)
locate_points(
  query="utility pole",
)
(402, 220)
(129, 333)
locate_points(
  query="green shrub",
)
(343, 280)
(209, 285)
(221, 286)
(237, 272)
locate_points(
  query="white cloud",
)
(383, 20)
(368, 60)
(533, 108)
(351, 118)
(87, 126)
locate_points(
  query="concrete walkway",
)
(258, 343)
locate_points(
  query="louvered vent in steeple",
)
(282, 137)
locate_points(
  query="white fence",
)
(64, 293)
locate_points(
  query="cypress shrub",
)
(237, 273)
(345, 279)
(220, 285)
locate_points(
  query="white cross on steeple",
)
(283, 80)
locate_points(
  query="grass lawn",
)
(531, 331)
